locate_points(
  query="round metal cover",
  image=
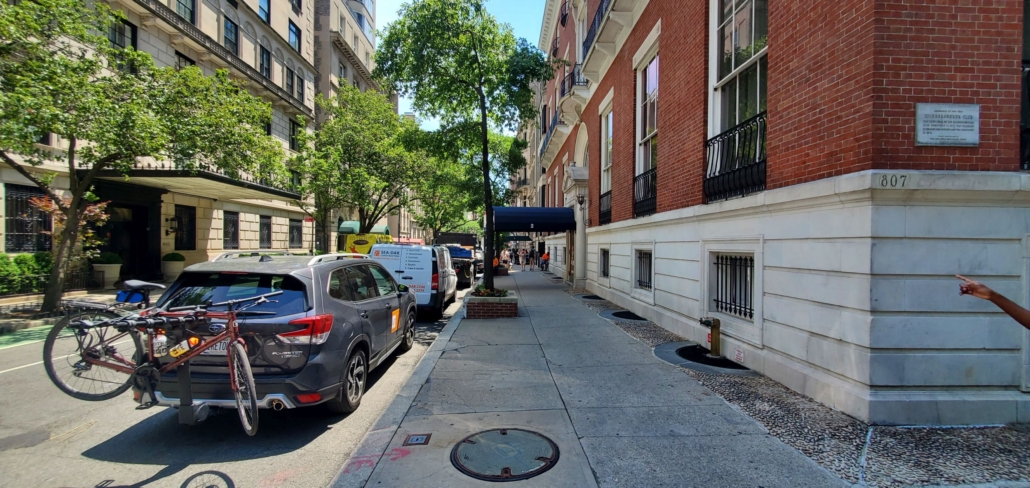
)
(627, 315)
(592, 297)
(504, 455)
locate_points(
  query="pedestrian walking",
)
(532, 259)
(981, 291)
(522, 258)
(505, 256)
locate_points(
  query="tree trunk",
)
(488, 199)
(62, 256)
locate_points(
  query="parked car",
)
(426, 270)
(339, 317)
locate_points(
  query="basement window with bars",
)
(733, 292)
(644, 270)
(605, 263)
(27, 228)
(231, 230)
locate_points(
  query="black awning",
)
(533, 219)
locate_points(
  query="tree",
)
(110, 106)
(461, 65)
(357, 158)
(443, 199)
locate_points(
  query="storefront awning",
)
(354, 227)
(533, 219)
(201, 183)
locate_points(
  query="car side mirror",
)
(402, 288)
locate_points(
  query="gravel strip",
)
(897, 456)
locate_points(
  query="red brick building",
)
(811, 173)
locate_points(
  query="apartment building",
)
(160, 209)
(825, 169)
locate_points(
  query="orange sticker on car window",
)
(396, 316)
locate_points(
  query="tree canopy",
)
(110, 106)
(461, 65)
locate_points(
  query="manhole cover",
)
(504, 455)
(627, 315)
(699, 354)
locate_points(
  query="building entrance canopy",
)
(533, 219)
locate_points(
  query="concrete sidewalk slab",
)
(485, 335)
(493, 358)
(631, 385)
(598, 334)
(595, 353)
(486, 391)
(681, 420)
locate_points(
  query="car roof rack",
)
(251, 254)
(336, 257)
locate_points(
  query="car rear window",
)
(206, 288)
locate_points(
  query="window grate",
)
(645, 193)
(644, 270)
(265, 232)
(605, 262)
(230, 230)
(606, 208)
(296, 234)
(736, 161)
(185, 228)
(735, 285)
(27, 227)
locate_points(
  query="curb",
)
(358, 468)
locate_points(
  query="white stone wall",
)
(857, 305)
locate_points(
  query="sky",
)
(524, 16)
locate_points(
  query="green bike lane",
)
(50, 439)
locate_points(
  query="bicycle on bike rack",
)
(97, 368)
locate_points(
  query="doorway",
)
(126, 235)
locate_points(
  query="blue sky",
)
(523, 15)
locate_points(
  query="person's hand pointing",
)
(974, 288)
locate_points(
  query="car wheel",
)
(409, 334)
(355, 375)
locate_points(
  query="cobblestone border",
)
(877, 456)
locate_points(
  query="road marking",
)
(41, 362)
(74, 432)
(21, 344)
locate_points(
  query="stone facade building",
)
(824, 170)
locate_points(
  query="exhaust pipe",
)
(278, 405)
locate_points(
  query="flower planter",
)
(172, 269)
(492, 308)
(111, 274)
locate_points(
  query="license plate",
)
(217, 349)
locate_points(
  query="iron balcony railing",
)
(565, 13)
(1024, 124)
(196, 35)
(736, 161)
(550, 132)
(606, 208)
(645, 193)
(555, 44)
(735, 285)
(595, 26)
(521, 182)
(573, 79)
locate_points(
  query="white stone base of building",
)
(855, 303)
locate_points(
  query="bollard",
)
(713, 324)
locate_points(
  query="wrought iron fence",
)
(644, 269)
(736, 161)
(34, 284)
(573, 79)
(606, 208)
(645, 193)
(735, 285)
(595, 26)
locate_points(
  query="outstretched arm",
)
(979, 290)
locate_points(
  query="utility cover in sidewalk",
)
(504, 455)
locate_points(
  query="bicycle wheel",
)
(66, 349)
(246, 395)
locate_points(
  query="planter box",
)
(492, 308)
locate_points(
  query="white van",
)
(425, 270)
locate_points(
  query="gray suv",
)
(339, 316)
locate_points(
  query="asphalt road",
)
(48, 439)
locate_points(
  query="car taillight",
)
(316, 330)
(436, 281)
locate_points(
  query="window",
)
(644, 270)
(232, 37)
(604, 264)
(294, 129)
(742, 65)
(182, 61)
(341, 72)
(27, 228)
(230, 230)
(185, 9)
(45, 139)
(263, 10)
(360, 284)
(185, 228)
(296, 5)
(268, 128)
(200, 288)
(122, 34)
(648, 120)
(266, 63)
(289, 81)
(294, 36)
(383, 281)
(296, 234)
(300, 85)
(368, 60)
(606, 151)
(295, 179)
(355, 43)
(265, 232)
(734, 285)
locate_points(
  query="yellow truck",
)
(362, 243)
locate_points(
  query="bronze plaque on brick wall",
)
(947, 124)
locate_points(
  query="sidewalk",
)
(619, 415)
